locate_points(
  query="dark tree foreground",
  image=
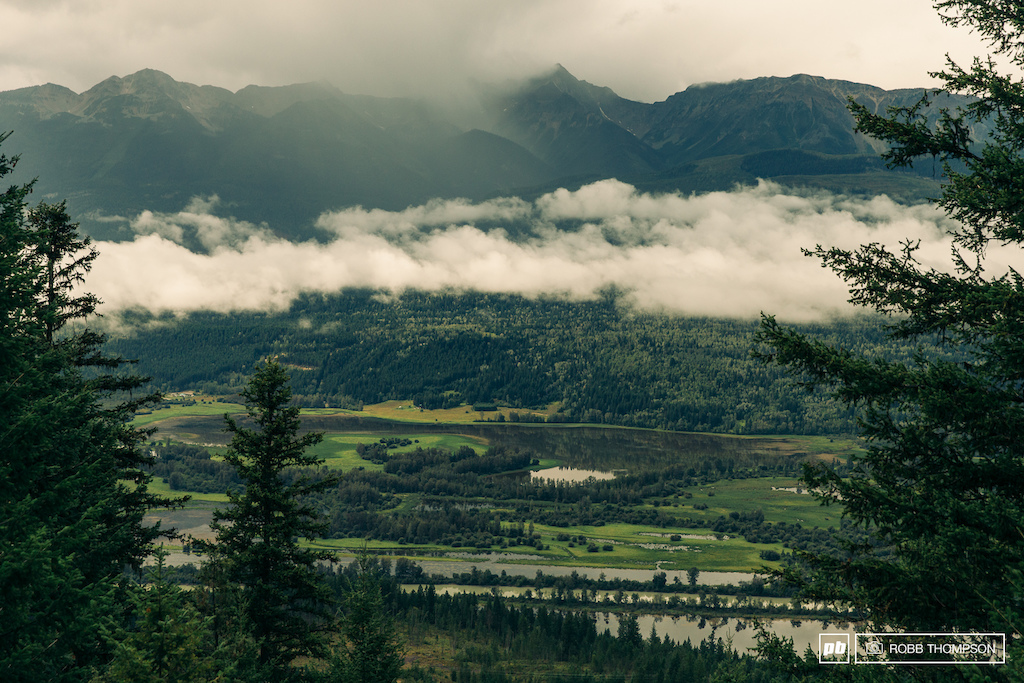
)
(941, 485)
(72, 487)
(282, 601)
(373, 653)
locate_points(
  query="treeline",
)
(501, 640)
(528, 636)
(190, 468)
(601, 361)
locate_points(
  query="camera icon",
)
(873, 647)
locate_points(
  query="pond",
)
(737, 632)
(569, 475)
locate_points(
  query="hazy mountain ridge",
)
(799, 112)
(283, 155)
(562, 120)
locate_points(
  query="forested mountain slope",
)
(283, 155)
(597, 361)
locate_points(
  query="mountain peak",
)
(146, 81)
(147, 141)
(153, 94)
(560, 78)
(47, 100)
(151, 78)
(559, 72)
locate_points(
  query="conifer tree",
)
(72, 486)
(170, 642)
(282, 599)
(373, 653)
(941, 485)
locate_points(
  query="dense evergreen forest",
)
(600, 361)
(501, 641)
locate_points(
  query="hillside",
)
(595, 362)
(283, 155)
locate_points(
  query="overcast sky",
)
(719, 254)
(642, 49)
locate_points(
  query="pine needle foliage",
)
(73, 484)
(941, 485)
(282, 600)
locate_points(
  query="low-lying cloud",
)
(730, 254)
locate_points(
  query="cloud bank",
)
(728, 254)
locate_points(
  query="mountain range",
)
(283, 155)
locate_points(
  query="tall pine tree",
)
(373, 653)
(941, 485)
(282, 599)
(72, 485)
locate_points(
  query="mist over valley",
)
(285, 155)
(721, 254)
(542, 242)
(205, 199)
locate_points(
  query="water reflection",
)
(497, 564)
(568, 475)
(738, 632)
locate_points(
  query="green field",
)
(637, 547)
(339, 450)
(767, 494)
(201, 408)
(160, 487)
(405, 411)
(628, 541)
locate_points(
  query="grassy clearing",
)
(767, 494)
(204, 407)
(339, 450)
(409, 502)
(545, 463)
(634, 547)
(397, 411)
(162, 488)
(404, 411)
